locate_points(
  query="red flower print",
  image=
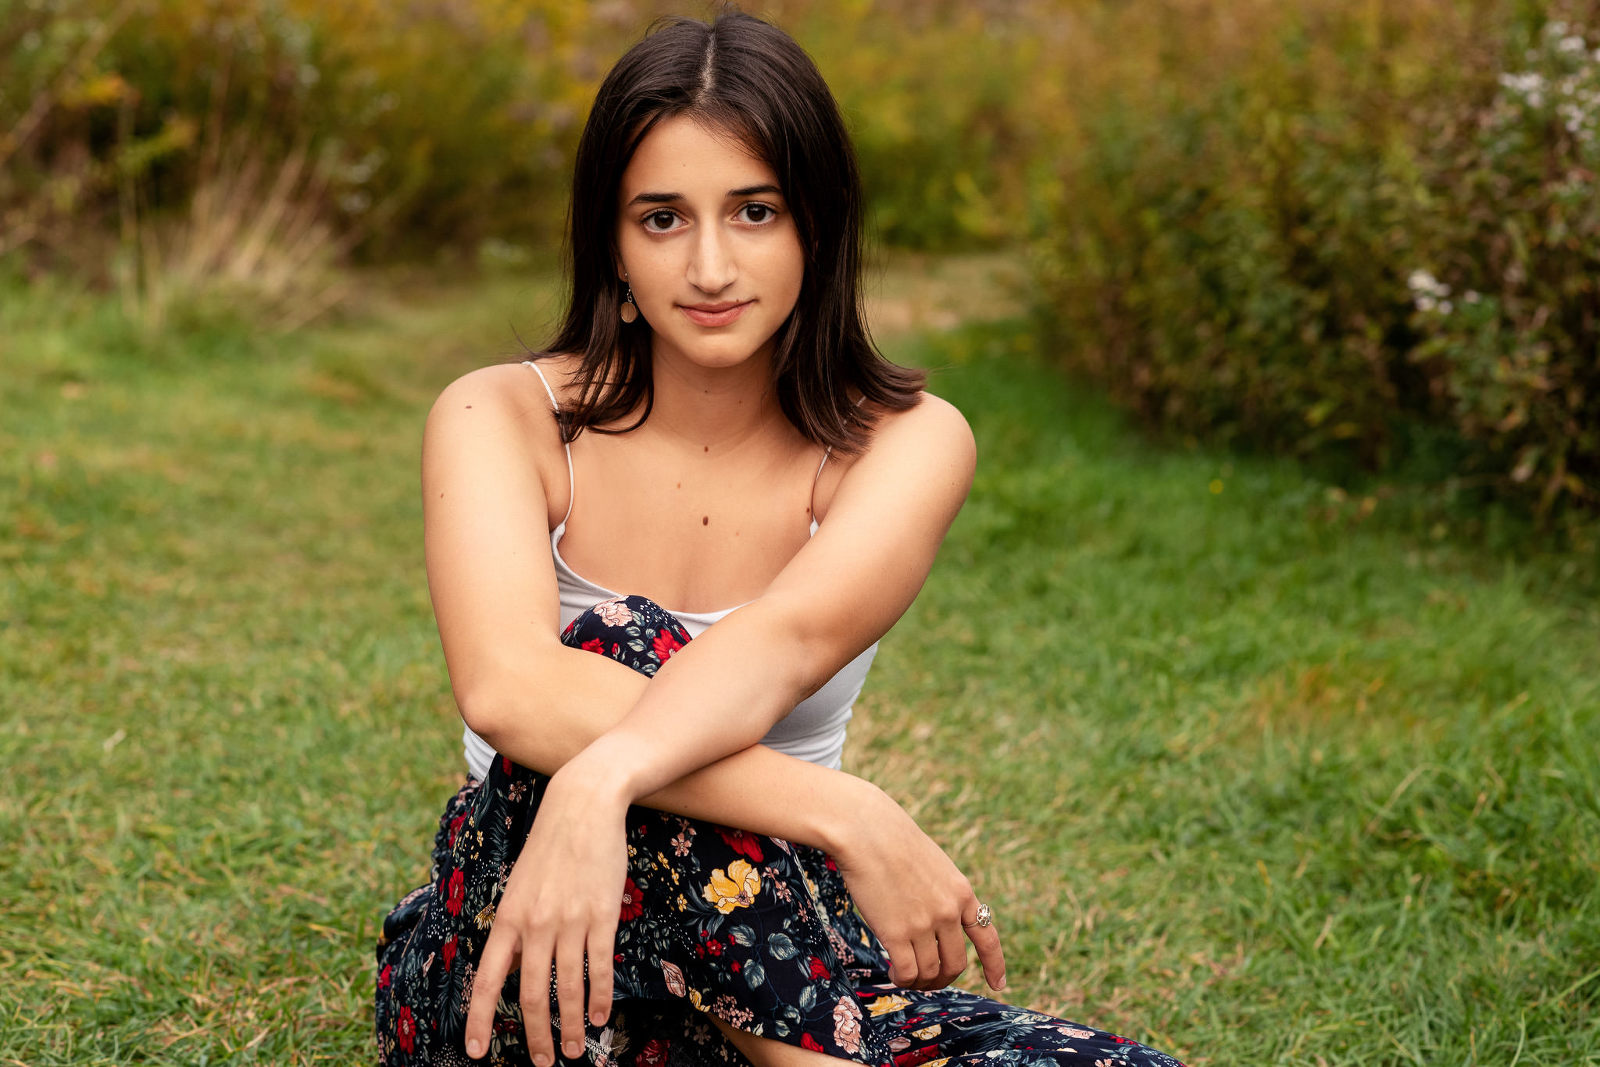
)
(654, 1053)
(807, 1041)
(827, 861)
(818, 970)
(448, 951)
(405, 1031)
(916, 1056)
(505, 764)
(743, 842)
(455, 828)
(385, 976)
(594, 644)
(665, 645)
(456, 894)
(714, 947)
(632, 902)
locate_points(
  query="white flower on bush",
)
(1428, 292)
(1570, 79)
(1529, 85)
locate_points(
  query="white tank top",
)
(813, 731)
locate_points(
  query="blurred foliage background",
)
(1363, 233)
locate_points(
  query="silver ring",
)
(985, 917)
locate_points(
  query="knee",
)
(633, 630)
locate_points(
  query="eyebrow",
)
(668, 198)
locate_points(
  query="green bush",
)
(1506, 301)
(1355, 233)
(402, 129)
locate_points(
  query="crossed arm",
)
(687, 741)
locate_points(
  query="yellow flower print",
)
(734, 888)
(887, 1003)
(927, 1033)
(937, 1063)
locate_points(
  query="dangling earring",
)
(629, 310)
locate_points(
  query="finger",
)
(952, 953)
(602, 940)
(902, 961)
(499, 956)
(986, 939)
(569, 992)
(535, 997)
(927, 949)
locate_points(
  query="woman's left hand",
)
(562, 903)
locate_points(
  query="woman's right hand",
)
(914, 898)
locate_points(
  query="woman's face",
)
(708, 245)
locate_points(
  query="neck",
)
(714, 408)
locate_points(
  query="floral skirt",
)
(715, 922)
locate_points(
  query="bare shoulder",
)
(933, 422)
(499, 388)
(933, 436)
(928, 446)
(500, 399)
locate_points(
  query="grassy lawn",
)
(1245, 772)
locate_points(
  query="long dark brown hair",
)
(748, 77)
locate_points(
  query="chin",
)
(721, 352)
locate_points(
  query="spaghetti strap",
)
(814, 480)
(551, 393)
(818, 476)
(571, 481)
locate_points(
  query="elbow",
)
(813, 656)
(485, 709)
(503, 715)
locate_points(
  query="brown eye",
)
(757, 213)
(659, 221)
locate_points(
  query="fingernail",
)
(572, 1048)
(597, 1017)
(541, 1060)
(474, 1048)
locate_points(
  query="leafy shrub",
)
(1509, 330)
(1344, 232)
(452, 123)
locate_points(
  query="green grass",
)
(1244, 774)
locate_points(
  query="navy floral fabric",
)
(715, 922)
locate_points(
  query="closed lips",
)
(715, 314)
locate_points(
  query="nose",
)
(711, 265)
